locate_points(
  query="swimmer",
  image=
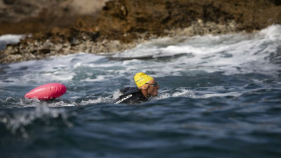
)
(146, 87)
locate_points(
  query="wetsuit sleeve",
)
(124, 99)
(130, 95)
(133, 98)
(124, 90)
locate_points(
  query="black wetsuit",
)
(131, 95)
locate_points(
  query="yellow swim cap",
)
(141, 78)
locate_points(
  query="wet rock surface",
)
(118, 25)
(33, 16)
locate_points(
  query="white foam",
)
(8, 39)
(19, 121)
(180, 92)
(272, 33)
(231, 53)
(61, 104)
(185, 92)
(187, 56)
(59, 69)
(98, 100)
(233, 94)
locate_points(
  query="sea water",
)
(219, 96)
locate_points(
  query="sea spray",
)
(18, 121)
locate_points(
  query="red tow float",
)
(47, 91)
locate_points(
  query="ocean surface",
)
(219, 97)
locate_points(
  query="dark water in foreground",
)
(219, 97)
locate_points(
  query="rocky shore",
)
(65, 27)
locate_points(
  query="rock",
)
(72, 26)
(44, 51)
(33, 16)
(159, 15)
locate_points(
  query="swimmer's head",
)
(141, 79)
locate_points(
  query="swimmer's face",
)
(152, 88)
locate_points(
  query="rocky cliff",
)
(33, 16)
(70, 26)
